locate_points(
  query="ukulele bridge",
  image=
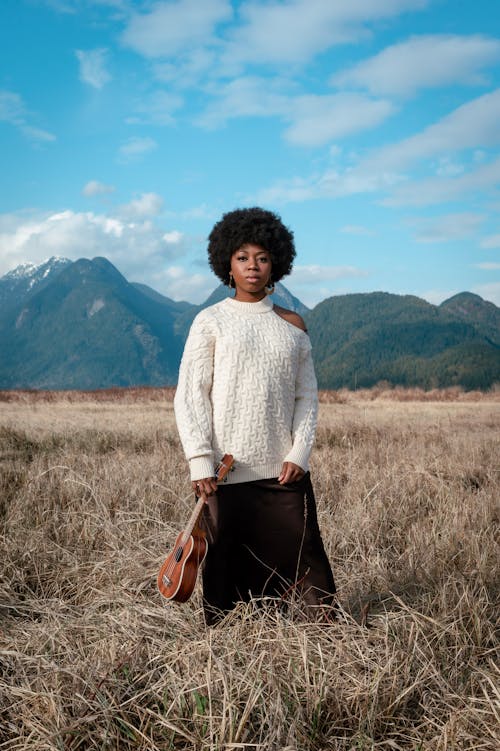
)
(167, 582)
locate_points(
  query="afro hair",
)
(254, 226)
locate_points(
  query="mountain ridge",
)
(399, 338)
(88, 328)
(82, 325)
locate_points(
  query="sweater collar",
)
(262, 306)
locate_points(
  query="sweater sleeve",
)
(192, 401)
(306, 409)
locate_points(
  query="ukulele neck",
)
(221, 471)
(194, 517)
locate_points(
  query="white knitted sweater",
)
(246, 387)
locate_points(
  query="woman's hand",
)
(207, 486)
(290, 472)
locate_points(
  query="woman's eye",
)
(259, 260)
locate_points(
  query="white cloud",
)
(136, 147)
(445, 228)
(329, 184)
(426, 61)
(434, 190)
(488, 266)
(171, 27)
(187, 69)
(157, 109)
(313, 119)
(295, 31)
(14, 111)
(472, 125)
(148, 204)
(137, 248)
(93, 70)
(316, 120)
(182, 284)
(446, 167)
(179, 37)
(492, 241)
(489, 292)
(247, 96)
(142, 250)
(37, 134)
(96, 188)
(173, 237)
(184, 40)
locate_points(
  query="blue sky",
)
(127, 128)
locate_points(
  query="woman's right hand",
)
(207, 486)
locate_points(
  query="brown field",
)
(93, 490)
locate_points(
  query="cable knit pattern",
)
(246, 387)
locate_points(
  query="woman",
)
(247, 387)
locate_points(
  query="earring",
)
(231, 283)
(270, 287)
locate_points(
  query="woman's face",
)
(251, 270)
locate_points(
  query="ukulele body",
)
(177, 576)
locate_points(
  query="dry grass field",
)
(93, 490)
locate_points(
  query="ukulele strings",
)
(179, 550)
(170, 568)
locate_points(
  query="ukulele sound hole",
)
(178, 554)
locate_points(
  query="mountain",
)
(483, 315)
(89, 328)
(361, 339)
(82, 325)
(27, 279)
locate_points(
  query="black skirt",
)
(264, 541)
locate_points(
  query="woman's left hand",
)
(290, 472)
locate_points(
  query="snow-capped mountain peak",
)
(43, 269)
(27, 278)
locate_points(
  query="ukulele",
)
(177, 576)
